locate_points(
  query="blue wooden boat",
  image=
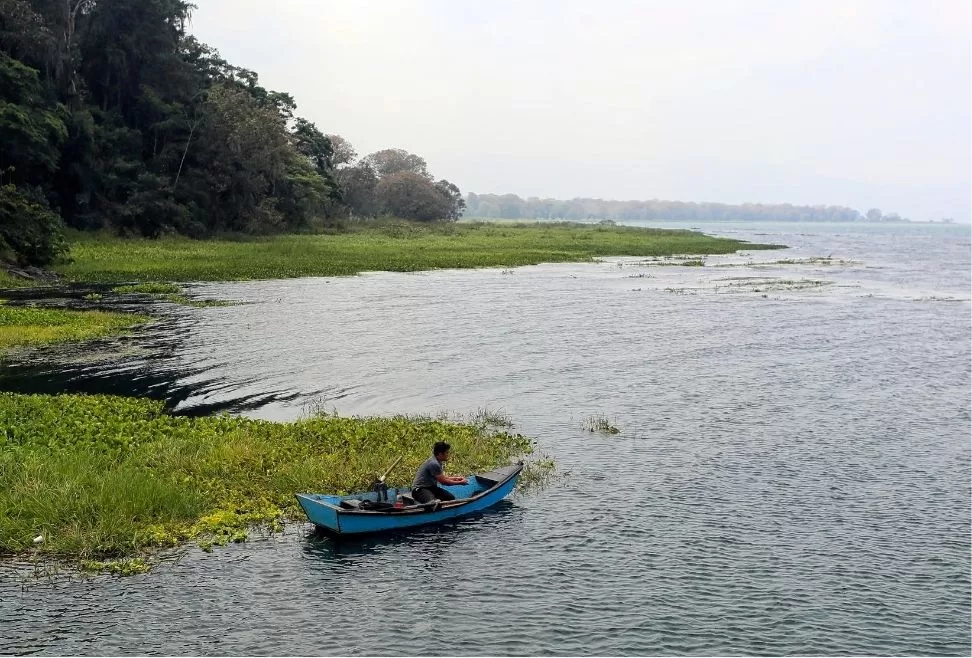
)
(366, 512)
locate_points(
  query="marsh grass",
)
(600, 423)
(102, 477)
(34, 326)
(7, 280)
(387, 246)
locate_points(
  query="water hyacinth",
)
(109, 477)
(395, 246)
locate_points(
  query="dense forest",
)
(510, 206)
(113, 117)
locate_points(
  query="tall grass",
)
(9, 281)
(600, 423)
(389, 246)
(100, 476)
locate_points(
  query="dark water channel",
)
(792, 475)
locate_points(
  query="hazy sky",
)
(852, 102)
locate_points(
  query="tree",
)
(410, 195)
(358, 189)
(25, 36)
(30, 130)
(873, 215)
(29, 232)
(314, 145)
(244, 153)
(454, 203)
(393, 161)
(113, 115)
(343, 152)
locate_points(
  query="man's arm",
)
(445, 479)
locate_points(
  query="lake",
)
(792, 474)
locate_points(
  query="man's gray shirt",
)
(427, 472)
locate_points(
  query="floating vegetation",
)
(768, 284)
(669, 261)
(813, 260)
(150, 288)
(170, 293)
(30, 326)
(397, 246)
(93, 297)
(200, 303)
(8, 280)
(102, 477)
(600, 423)
(127, 567)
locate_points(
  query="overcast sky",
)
(851, 102)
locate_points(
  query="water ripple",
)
(792, 475)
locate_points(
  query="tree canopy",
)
(113, 117)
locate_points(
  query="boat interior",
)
(400, 498)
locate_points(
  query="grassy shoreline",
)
(108, 477)
(389, 246)
(159, 265)
(100, 477)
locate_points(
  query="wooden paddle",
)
(381, 480)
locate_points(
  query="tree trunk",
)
(192, 129)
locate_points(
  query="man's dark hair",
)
(440, 447)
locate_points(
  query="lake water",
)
(792, 475)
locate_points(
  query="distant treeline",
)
(510, 206)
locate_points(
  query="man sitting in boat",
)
(425, 488)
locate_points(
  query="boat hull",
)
(326, 513)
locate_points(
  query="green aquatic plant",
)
(600, 423)
(401, 247)
(7, 280)
(101, 477)
(124, 567)
(33, 326)
(490, 418)
(170, 293)
(151, 288)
